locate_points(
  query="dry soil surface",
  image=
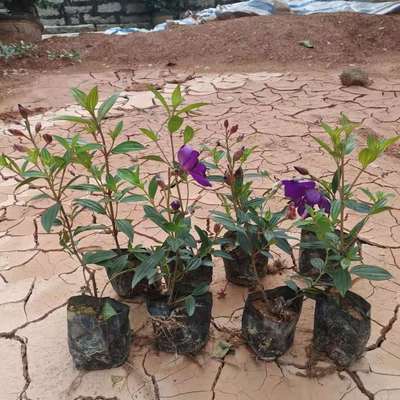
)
(277, 106)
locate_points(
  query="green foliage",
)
(72, 55)
(342, 245)
(17, 50)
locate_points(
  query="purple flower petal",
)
(312, 197)
(295, 189)
(324, 204)
(188, 157)
(189, 161)
(198, 173)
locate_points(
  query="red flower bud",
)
(16, 132)
(217, 229)
(226, 124)
(23, 111)
(176, 205)
(228, 178)
(238, 154)
(38, 127)
(302, 171)
(47, 138)
(19, 147)
(234, 129)
(291, 211)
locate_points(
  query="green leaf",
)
(87, 187)
(91, 205)
(153, 158)
(188, 134)
(74, 118)
(201, 289)
(371, 272)
(174, 123)
(190, 305)
(324, 145)
(95, 257)
(133, 198)
(127, 147)
(79, 96)
(117, 130)
(223, 254)
(125, 226)
(341, 279)
(358, 206)
(153, 185)
(49, 216)
(284, 245)
(318, 263)
(367, 156)
(177, 98)
(106, 106)
(86, 228)
(108, 311)
(335, 210)
(148, 268)
(25, 182)
(111, 183)
(92, 99)
(191, 107)
(153, 215)
(160, 98)
(150, 134)
(116, 264)
(131, 176)
(335, 181)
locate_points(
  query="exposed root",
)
(217, 376)
(385, 330)
(154, 382)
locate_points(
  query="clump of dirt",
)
(354, 77)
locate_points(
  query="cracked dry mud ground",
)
(277, 112)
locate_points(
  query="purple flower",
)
(189, 161)
(303, 193)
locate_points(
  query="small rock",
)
(354, 77)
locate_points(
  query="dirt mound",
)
(338, 39)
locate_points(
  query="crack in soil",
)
(385, 330)
(24, 359)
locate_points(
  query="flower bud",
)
(226, 124)
(291, 211)
(239, 174)
(176, 205)
(238, 154)
(228, 178)
(234, 129)
(19, 147)
(16, 132)
(302, 171)
(217, 228)
(38, 127)
(47, 138)
(23, 111)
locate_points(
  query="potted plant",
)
(227, 160)
(108, 192)
(22, 22)
(99, 332)
(342, 318)
(181, 312)
(251, 228)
